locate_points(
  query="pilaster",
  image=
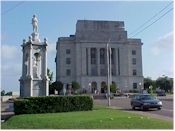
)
(98, 61)
(89, 61)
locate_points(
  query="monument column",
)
(45, 68)
(30, 57)
(23, 58)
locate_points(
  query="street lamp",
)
(64, 89)
(108, 50)
(89, 87)
(140, 85)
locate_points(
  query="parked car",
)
(145, 101)
(161, 93)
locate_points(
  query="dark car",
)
(145, 101)
(161, 93)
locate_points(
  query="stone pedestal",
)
(35, 37)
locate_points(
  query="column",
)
(89, 61)
(30, 70)
(45, 77)
(116, 61)
(45, 62)
(98, 61)
(23, 60)
(30, 61)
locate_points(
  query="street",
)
(124, 104)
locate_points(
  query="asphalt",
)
(6, 111)
(123, 103)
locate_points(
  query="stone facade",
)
(34, 79)
(83, 57)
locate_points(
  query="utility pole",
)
(108, 50)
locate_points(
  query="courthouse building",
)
(82, 57)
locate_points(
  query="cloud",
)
(52, 49)
(10, 52)
(163, 44)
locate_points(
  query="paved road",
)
(6, 110)
(124, 104)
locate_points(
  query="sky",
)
(58, 19)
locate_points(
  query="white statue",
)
(35, 23)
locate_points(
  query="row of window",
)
(102, 72)
(102, 51)
(102, 61)
(102, 56)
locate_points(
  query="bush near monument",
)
(51, 104)
(75, 85)
(57, 85)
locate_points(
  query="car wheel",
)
(159, 108)
(133, 107)
(142, 108)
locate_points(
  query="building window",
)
(68, 61)
(93, 71)
(113, 72)
(112, 55)
(134, 85)
(134, 61)
(102, 56)
(67, 51)
(134, 72)
(68, 72)
(102, 72)
(93, 55)
(133, 52)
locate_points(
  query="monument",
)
(34, 80)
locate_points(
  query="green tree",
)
(57, 85)
(165, 83)
(150, 89)
(75, 85)
(9, 93)
(2, 92)
(113, 88)
(50, 75)
(148, 82)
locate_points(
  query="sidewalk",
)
(6, 110)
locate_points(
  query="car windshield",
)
(147, 97)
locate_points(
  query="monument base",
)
(35, 37)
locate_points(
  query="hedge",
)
(51, 104)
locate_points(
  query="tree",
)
(149, 82)
(75, 85)
(113, 88)
(165, 83)
(9, 93)
(50, 75)
(150, 89)
(2, 92)
(57, 85)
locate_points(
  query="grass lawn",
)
(99, 118)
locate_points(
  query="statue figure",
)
(35, 23)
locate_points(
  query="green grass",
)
(99, 118)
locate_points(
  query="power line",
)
(12, 8)
(152, 22)
(151, 18)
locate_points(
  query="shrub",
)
(75, 85)
(133, 91)
(57, 85)
(50, 104)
